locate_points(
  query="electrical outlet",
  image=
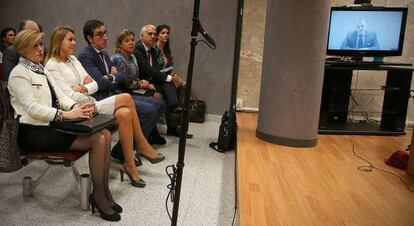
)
(239, 104)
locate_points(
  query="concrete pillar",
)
(293, 67)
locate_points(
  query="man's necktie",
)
(101, 55)
(149, 56)
(360, 42)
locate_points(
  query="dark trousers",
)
(170, 93)
(149, 109)
(171, 96)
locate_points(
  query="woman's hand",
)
(84, 111)
(88, 79)
(80, 89)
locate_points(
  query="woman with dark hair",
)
(163, 45)
(164, 59)
(35, 96)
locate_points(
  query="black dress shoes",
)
(157, 140)
(175, 132)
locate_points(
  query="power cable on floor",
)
(371, 167)
(172, 174)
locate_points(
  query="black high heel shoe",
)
(154, 160)
(136, 183)
(109, 217)
(117, 208)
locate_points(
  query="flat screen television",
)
(366, 31)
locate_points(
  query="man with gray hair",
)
(361, 38)
(10, 56)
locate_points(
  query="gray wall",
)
(212, 68)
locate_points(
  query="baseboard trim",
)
(287, 141)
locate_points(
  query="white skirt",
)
(106, 106)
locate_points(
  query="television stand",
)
(353, 63)
(336, 95)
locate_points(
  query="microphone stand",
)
(196, 28)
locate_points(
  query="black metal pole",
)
(185, 114)
(236, 62)
(235, 78)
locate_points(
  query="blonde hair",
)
(56, 39)
(25, 39)
(121, 36)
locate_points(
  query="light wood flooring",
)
(280, 185)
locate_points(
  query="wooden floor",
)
(280, 185)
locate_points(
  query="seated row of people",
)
(166, 82)
(63, 89)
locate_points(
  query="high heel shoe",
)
(109, 217)
(117, 208)
(136, 183)
(154, 160)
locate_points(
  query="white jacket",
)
(66, 79)
(31, 98)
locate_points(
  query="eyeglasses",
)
(151, 33)
(101, 34)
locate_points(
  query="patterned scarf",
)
(37, 68)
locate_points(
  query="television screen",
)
(366, 31)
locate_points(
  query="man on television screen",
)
(361, 38)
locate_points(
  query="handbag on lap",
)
(86, 127)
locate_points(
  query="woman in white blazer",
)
(75, 82)
(35, 96)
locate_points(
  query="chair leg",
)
(30, 184)
(85, 191)
(84, 182)
(76, 174)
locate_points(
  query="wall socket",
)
(239, 104)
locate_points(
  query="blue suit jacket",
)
(95, 67)
(370, 41)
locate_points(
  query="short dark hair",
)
(88, 28)
(6, 30)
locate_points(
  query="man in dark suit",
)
(10, 56)
(165, 82)
(98, 64)
(360, 38)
